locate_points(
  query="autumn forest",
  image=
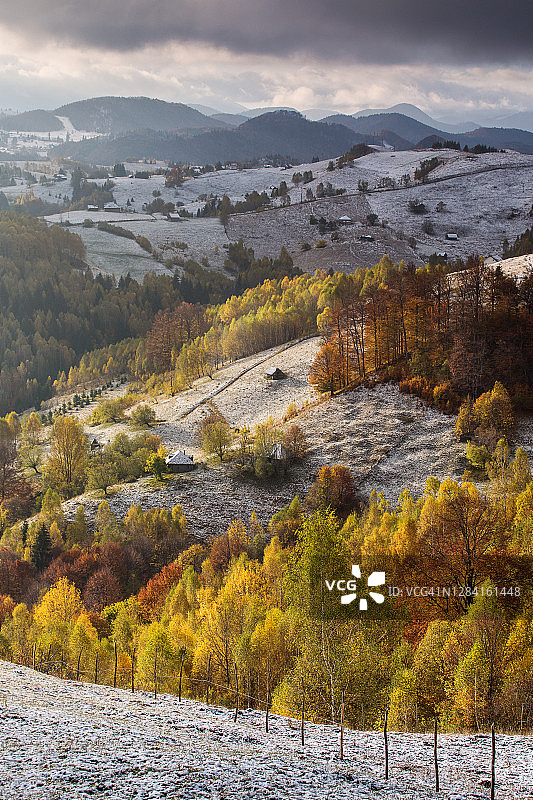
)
(121, 598)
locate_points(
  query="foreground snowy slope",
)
(63, 739)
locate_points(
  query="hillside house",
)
(452, 236)
(173, 216)
(180, 462)
(274, 374)
(345, 220)
(366, 237)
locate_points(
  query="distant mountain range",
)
(38, 120)
(408, 110)
(282, 133)
(116, 115)
(136, 127)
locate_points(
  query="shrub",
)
(143, 416)
(291, 412)
(477, 456)
(156, 465)
(444, 397)
(109, 411)
(417, 207)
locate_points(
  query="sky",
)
(457, 60)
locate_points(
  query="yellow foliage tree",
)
(58, 611)
(67, 466)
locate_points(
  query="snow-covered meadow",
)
(63, 739)
(482, 198)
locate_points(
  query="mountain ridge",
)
(284, 133)
(117, 115)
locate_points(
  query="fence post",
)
(492, 763)
(268, 699)
(181, 673)
(208, 678)
(78, 667)
(437, 786)
(303, 713)
(96, 669)
(236, 694)
(342, 726)
(155, 673)
(386, 744)
(115, 672)
(133, 671)
(34, 648)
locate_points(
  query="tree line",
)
(54, 311)
(449, 334)
(253, 606)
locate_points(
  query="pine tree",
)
(41, 549)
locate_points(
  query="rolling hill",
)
(409, 110)
(500, 138)
(409, 130)
(68, 739)
(117, 115)
(39, 121)
(416, 134)
(285, 133)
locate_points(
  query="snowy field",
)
(115, 255)
(62, 739)
(211, 499)
(390, 441)
(485, 198)
(268, 231)
(205, 238)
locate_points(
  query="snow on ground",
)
(205, 237)
(74, 134)
(487, 198)
(76, 218)
(519, 267)
(210, 496)
(482, 210)
(390, 441)
(118, 256)
(268, 231)
(62, 739)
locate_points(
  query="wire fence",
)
(122, 677)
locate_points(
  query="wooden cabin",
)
(180, 462)
(274, 374)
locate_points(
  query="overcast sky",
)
(453, 59)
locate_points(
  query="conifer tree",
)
(41, 549)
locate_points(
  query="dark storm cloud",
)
(373, 31)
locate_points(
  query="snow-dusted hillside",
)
(61, 739)
(482, 198)
(390, 441)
